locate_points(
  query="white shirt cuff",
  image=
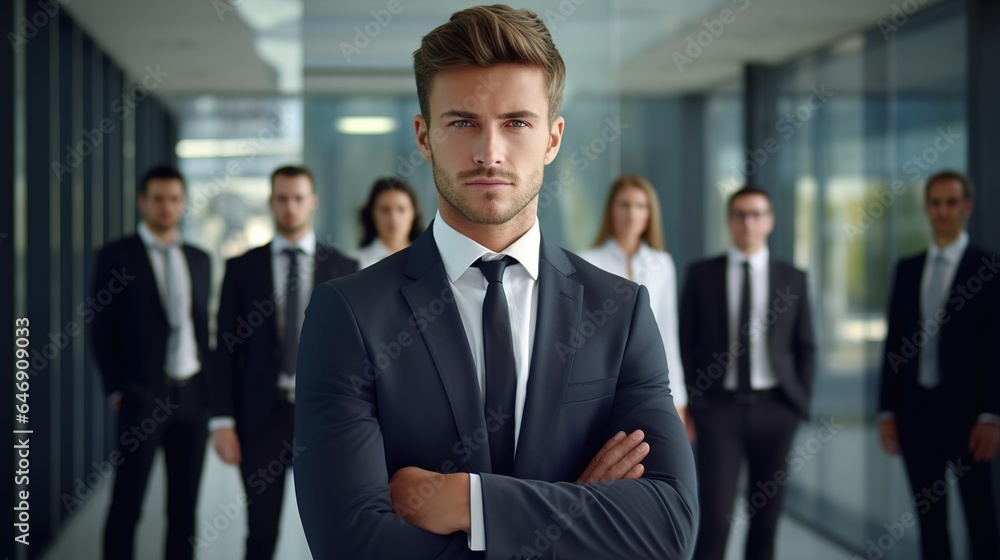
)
(477, 533)
(989, 418)
(221, 422)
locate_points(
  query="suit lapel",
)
(140, 256)
(447, 342)
(560, 307)
(964, 271)
(261, 261)
(720, 286)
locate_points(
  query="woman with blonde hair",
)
(630, 244)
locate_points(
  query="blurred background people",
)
(390, 220)
(253, 385)
(150, 342)
(747, 346)
(630, 244)
(940, 388)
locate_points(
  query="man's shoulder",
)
(707, 264)
(595, 278)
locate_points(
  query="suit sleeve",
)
(106, 326)
(889, 384)
(228, 345)
(990, 343)
(804, 345)
(342, 485)
(688, 332)
(654, 517)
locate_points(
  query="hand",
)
(227, 445)
(115, 402)
(444, 512)
(888, 436)
(983, 441)
(688, 421)
(620, 458)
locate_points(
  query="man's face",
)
(293, 203)
(162, 205)
(489, 140)
(946, 207)
(750, 221)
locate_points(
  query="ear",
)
(422, 130)
(555, 139)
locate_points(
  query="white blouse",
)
(371, 253)
(655, 270)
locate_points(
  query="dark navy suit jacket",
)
(386, 380)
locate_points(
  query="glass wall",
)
(859, 121)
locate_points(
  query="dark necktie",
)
(743, 334)
(501, 373)
(291, 311)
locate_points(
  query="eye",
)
(519, 124)
(461, 124)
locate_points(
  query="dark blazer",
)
(969, 361)
(129, 334)
(248, 347)
(704, 332)
(387, 380)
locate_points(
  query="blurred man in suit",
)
(747, 349)
(151, 345)
(940, 393)
(421, 375)
(264, 296)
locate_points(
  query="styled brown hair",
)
(653, 234)
(747, 191)
(967, 191)
(485, 36)
(292, 171)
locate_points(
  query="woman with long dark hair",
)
(390, 220)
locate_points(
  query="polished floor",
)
(220, 489)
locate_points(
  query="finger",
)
(607, 446)
(630, 460)
(615, 455)
(635, 472)
(610, 454)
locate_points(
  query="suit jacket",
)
(129, 333)
(967, 342)
(248, 348)
(387, 380)
(704, 332)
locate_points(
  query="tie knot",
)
(293, 252)
(746, 266)
(493, 270)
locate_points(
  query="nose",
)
(488, 149)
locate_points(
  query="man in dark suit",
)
(151, 345)
(264, 296)
(420, 376)
(940, 392)
(747, 349)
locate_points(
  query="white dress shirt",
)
(279, 279)
(371, 253)
(655, 270)
(761, 375)
(183, 363)
(520, 281)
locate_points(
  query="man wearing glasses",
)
(747, 349)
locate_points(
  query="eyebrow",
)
(523, 114)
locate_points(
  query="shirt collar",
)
(307, 243)
(151, 240)
(951, 252)
(757, 260)
(612, 245)
(458, 252)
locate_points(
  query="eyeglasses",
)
(739, 215)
